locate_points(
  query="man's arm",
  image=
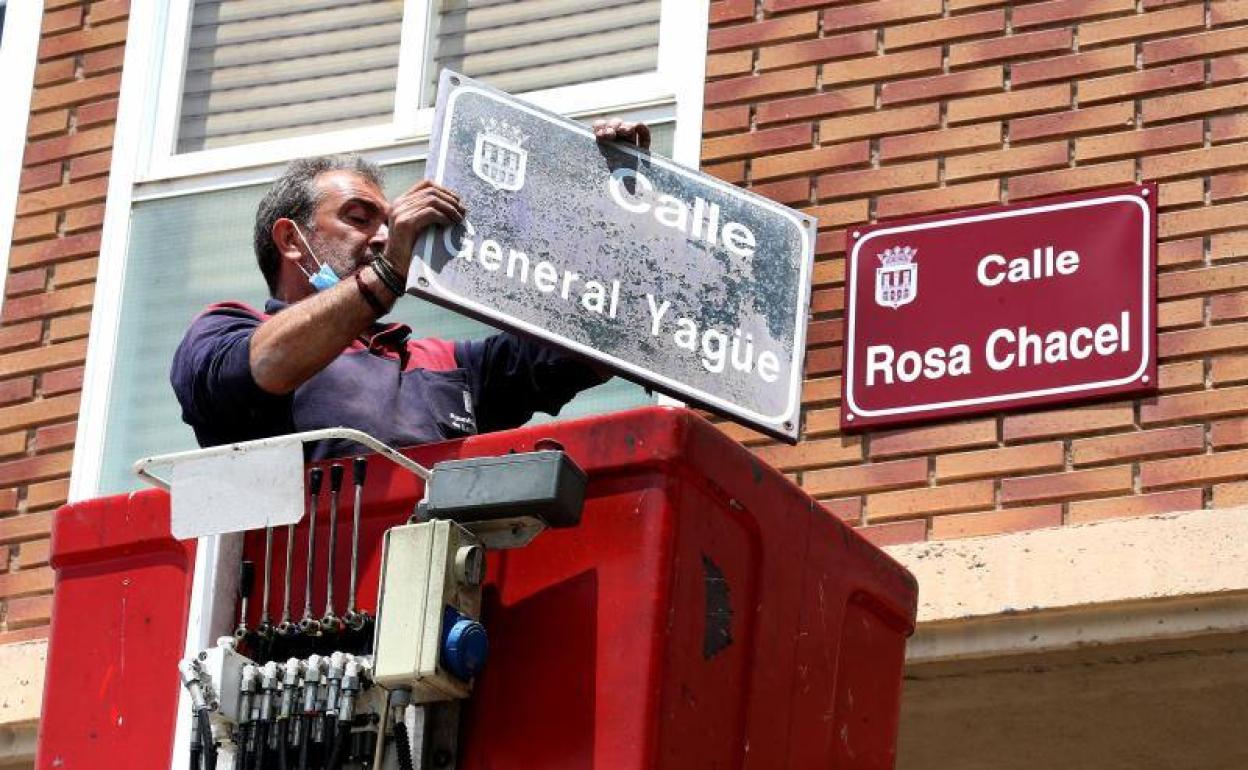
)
(292, 346)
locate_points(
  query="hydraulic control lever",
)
(330, 623)
(354, 619)
(309, 625)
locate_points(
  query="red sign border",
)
(1142, 381)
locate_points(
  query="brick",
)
(895, 533)
(37, 413)
(61, 21)
(24, 526)
(1149, 443)
(26, 229)
(996, 522)
(812, 454)
(1229, 433)
(50, 303)
(853, 183)
(821, 422)
(1195, 469)
(8, 504)
(1194, 46)
(13, 444)
(1181, 252)
(1227, 12)
(45, 124)
(51, 73)
(82, 41)
(1011, 103)
(945, 198)
(34, 553)
(1035, 14)
(1186, 103)
(1225, 128)
(756, 33)
(1198, 405)
(40, 177)
(1082, 120)
(1205, 280)
(885, 67)
(91, 191)
(1072, 179)
(1084, 511)
(946, 29)
(817, 51)
(61, 381)
(724, 64)
(823, 361)
(954, 498)
(42, 358)
(108, 10)
(997, 162)
(27, 612)
(95, 113)
(731, 10)
(965, 5)
(1186, 375)
(957, 83)
(847, 509)
(728, 119)
(940, 142)
(1228, 186)
(59, 436)
(1228, 307)
(1228, 245)
(767, 84)
(1181, 313)
(76, 92)
(25, 635)
(757, 142)
(941, 437)
(1064, 422)
(1228, 68)
(732, 172)
(48, 494)
(37, 468)
(825, 332)
(1072, 66)
(1202, 220)
(869, 477)
(1116, 87)
(1096, 482)
(1152, 24)
(837, 214)
(103, 61)
(47, 252)
(807, 161)
(880, 13)
(76, 272)
(26, 582)
(788, 191)
(79, 143)
(1028, 458)
(1141, 142)
(1230, 495)
(1010, 47)
(1170, 165)
(17, 389)
(19, 335)
(816, 105)
(26, 282)
(876, 124)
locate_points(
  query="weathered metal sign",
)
(674, 279)
(1039, 303)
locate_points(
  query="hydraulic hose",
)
(262, 743)
(210, 746)
(283, 735)
(244, 739)
(404, 745)
(196, 744)
(304, 736)
(342, 737)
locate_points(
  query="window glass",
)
(189, 251)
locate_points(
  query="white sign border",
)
(1145, 301)
(786, 422)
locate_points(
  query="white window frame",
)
(144, 166)
(18, 51)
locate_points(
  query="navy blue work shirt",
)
(401, 391)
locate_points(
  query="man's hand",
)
(424, 205)
(619, 130)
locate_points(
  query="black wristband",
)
(388, 275)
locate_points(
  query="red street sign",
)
(1051, 301)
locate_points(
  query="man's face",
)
(349, 223)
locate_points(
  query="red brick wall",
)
(860, 111)
(48, 292)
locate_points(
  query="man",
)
(335, 253)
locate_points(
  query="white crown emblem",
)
(499, 156)
(898, 255)
(897, 277)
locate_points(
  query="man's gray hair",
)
(295, 196)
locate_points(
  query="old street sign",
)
(1046, 302)
(672, 278)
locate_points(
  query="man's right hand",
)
(424, 205)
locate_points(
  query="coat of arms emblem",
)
(498, 157)
(897, 277)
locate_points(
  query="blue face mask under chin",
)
(322, 279)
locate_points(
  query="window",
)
(232, 90)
